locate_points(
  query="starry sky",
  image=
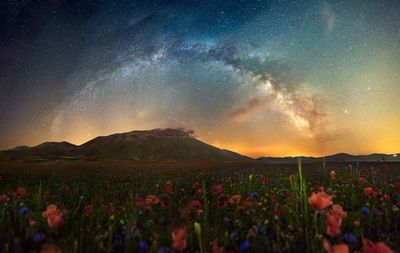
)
(273, 78)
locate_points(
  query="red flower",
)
(234, 199)
(152, 200)
(195, 204)
(334, 220)
(179, 239)
(216, 248)
(196, 185)
(247, 202)
(49, 248)
(339, 248)
(140, 202)
(54, 216)
(369, 191)
(380, 247)
(169, 187)
(320, 200)
(20, 192)
(386, 197)
(218, 189)
(3, 197)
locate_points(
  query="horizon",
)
(255, 77)
(198, 138)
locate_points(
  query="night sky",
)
(257, 77)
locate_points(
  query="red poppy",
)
(380, 247)
(54, 216)
(218, 189)
(234, 199)
(179, 239)
(152, 200)
(20, 192)
(140, 202)
(216, 248)
(195, 204)
(369, 191)
(386, 197)
(320, 200)
(339, 248)
(334, 220)
(169, 187)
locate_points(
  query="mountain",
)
(151, 145)
(47, 150)
(340, 157)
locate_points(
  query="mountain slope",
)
(151, 145)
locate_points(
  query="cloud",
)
(250, 106)
(328, 17)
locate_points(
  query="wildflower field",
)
(255, 208)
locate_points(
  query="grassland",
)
(195, 206)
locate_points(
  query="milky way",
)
(258, 77)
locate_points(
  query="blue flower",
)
(253, 195)
(365, 210)
(39, 238)
(245, 245)
(143, 246)
(350, 238)
(23, 210)
(164, 250)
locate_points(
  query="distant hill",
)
(340, 157)
(151, 145)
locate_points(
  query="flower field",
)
(309, 208)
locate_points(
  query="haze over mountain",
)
(151, 145)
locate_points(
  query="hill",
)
(151, 145)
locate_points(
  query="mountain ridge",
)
(162, 144)
(140, 145)
(338, 157)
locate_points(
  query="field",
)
(199, 207)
